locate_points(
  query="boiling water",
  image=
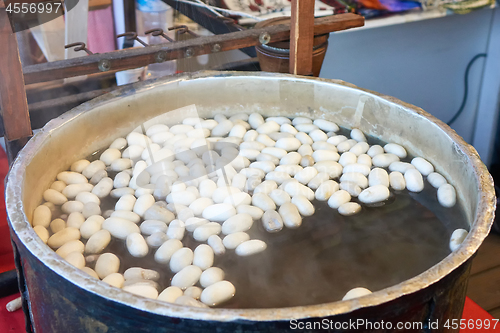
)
(329, 254)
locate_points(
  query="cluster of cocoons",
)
(212, 179)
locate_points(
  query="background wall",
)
(422, 63)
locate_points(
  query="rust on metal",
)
(132, 36)
(182, 29)
(79, 46)
(158, 32)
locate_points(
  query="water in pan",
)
(329, 254)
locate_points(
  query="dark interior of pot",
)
(392, 244)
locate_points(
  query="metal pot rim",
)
(21, 227)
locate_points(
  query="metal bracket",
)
(158, 32)
(182, 29)
(132, 36)
(79, 47)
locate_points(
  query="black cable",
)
(8, 283)
(466, 87)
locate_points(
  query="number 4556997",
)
(471, 323)
(47, 7)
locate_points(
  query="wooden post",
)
(301, 37)
(13, 101)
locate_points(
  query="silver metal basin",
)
(62, 298)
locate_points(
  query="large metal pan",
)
(64, 299)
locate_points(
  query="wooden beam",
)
(301, 37)
(139, 57)
(12, 94)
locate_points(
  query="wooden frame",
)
(14, 106)
(139, 57)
